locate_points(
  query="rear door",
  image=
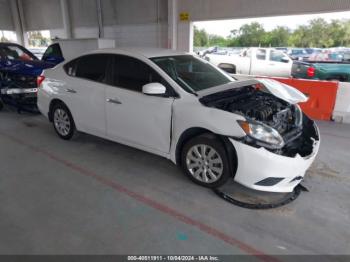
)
(259, 63)
(132, 117)
(84, 92)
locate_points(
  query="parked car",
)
(254, 61)
(183, 108)
(324, 66)
(312, 51)
(298, 54)
(20, 72)
(332, 56)
(283, 49)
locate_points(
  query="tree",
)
(200, 37)
(215, 40)
(3, 38)
(251, 35)
(299, 37)
(277, 37)
(316, 33)
(35, 38)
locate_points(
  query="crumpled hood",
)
(278, 89)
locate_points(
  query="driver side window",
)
(276, 56)
(132, 74)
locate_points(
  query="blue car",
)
(20, 72)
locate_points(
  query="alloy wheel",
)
(62, 122)
(204, 163)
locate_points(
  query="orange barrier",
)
(322, 96)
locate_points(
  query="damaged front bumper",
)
(263, 170)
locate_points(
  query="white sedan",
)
(180, 107)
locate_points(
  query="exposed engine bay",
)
(296, 129)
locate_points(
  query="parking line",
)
(148, 201)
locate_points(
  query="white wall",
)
(147, 35)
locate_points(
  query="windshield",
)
(191, 73)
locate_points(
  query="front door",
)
(133, 117)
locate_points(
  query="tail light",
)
(310, 72)
(39, 80)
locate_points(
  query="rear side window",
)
(261, 54)
(91, 67)
(131, 73)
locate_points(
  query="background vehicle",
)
(20, 69)
(19, 72)
(209, 50)
(298, 54)
(183, 108)
(312, 51)
(325, 66)
(254, 61)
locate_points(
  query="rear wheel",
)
(205, 161)
(63, 122)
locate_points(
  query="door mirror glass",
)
(154, 89)
(285, 60)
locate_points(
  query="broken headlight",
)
(266, 136)
(298, 115)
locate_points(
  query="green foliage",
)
(317, 33)
(35, 38)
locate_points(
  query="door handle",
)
(113, 101)
(69, 90)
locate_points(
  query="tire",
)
(62, 121)
(1, 105)
(214, 170)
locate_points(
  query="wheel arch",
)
(54, 102)
(192, 132)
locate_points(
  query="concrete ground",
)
(92, 196)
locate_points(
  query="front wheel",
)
(204, 160)
(63, 122)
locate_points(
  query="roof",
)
(146, 52)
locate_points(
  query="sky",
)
(223, 27)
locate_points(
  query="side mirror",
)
(154, 89)
(285, 60)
